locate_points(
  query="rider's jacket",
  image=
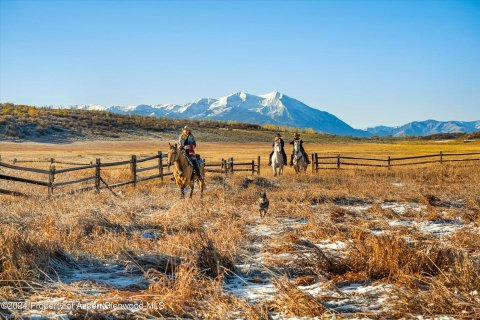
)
(301, 143)
(282, 143)
(188, 144)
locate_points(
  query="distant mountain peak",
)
(272, 95)
(426, 128)
(270, 108)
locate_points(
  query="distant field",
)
(82, 151)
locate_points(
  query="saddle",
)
(200, 161)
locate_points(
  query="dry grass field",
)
(89, 150)
(350, 243)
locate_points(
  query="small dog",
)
(263, 204)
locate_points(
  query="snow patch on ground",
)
(250, 288)
(105, 275)
(357, 208)
(438, 228)
(329, 245)
(402, 207)
(254, 281)
(352, 297)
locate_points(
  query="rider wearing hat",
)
(188, 144)
(296, 137)
(278, 137)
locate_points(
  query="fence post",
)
(231, 166)
(160, 165)
(258, 165)
(316, 162)
(51, 179)
(253, 167)
(441, 157)
(133, 169)
(97, 175)
(338, 161)
(388, 162)
(313, 162)
(224, 165)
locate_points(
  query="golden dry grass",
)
(197, 242)
(89, 150)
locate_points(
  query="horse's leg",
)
(182, 191)
(192, 186)
(201, 185)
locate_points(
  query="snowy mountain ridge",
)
(427, 127)
(279, 109)
(271, 108)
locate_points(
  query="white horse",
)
(277, 159)
(299, 161)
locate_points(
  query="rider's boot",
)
(196, 167)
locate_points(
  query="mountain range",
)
(279, 109)
(426, 128)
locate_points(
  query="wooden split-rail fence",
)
(338, 161)
(226, 166)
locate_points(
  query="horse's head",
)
(172, 155)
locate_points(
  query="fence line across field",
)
(225, 166)
(387, 162)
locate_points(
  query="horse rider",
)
(296, 137)
(278, 137)
(188, 144)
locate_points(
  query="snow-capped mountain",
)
(279, 109)
(427, 127)
(271, 108)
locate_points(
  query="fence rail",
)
(387, 162)
(95, 170)
(225, 166)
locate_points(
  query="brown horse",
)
(187, 177)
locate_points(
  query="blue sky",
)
(367, 62)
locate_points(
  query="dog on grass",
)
(263, 204)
